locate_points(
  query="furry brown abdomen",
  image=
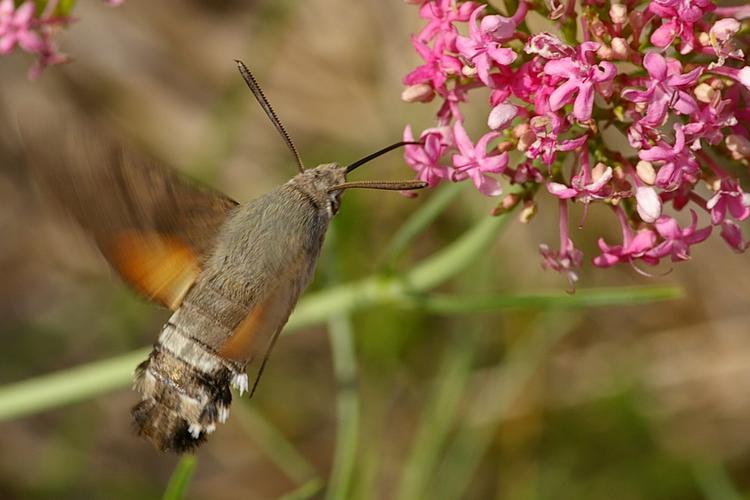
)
(184, 386)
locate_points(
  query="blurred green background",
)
(479, 378)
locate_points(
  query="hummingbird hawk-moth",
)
(231, 273)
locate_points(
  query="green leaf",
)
(180, 479)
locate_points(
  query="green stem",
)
(347, 408)
(347, 398)
(593, 297)
(67, 386)
(180, 480)
(275, 445)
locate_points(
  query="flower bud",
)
(598, 171)
(618, 13)
(705, 93)
(525, 141)
(527, 212)
(598, 28)
(648, 203)
(605, 52)
(507, 203)
(738, 146)
(646, 172)
(620, 48)
(501, 116)
(468, 71)
(420, 92)
(744, 76)
(724, 29)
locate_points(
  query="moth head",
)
(321, 183)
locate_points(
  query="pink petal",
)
(485, 184)
(499, 27)
(23, 14)
(731, 233)
(463, 142)
(561, 67)
(657, 108)
(604, 72)
(502, 55)
(561, 190)
(473, 26)
(601, 181)
(656, 65)
(481, 148)
(31, 42)
(688, 78)
(562, 94)
(584, 102)
(7, 42)
(636, 95)
(466, 47)
(494, 164)
(685, 104)
(668, 228)
(643, 241)
(571, 144)
(664, 35)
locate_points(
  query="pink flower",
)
(677, 241)
(665, 88)
(731, 234)
(16, 27)
(634, 247)
(731, 198)
(568, 259)
(440, 16)
(426, 159)
(583, 187)
(546, 130)
(548, 46)
(681, 17)
(678, 162)
(579, 77)
(472, 161)
(437, 67)
(482, 46)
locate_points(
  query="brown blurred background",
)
(624, 402)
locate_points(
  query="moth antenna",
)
(374, 155)
(384, 185)
(258, 93)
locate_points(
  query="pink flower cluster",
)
(648, 114)
(30, 26)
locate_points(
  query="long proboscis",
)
(383, 185)
(380, 152)
(258, 93)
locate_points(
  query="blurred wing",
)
(155, 227)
